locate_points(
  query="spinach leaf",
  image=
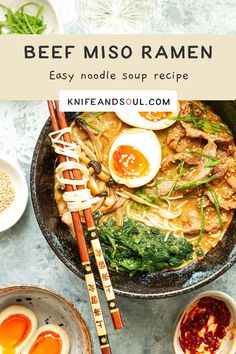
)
(136, 247)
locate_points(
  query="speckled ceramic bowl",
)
(50, 307)
(159, 285)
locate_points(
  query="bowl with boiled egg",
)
(153, 178)
(34, 320)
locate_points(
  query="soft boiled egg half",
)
(149, 120)
(18, 325)
(49, 339)
(135, 157)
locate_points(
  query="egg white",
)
(21, 310)
(136, 120)
(148, 144)
(53, 328)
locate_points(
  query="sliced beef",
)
(212, 223)
(225, 195)
(191, 218)
(194, 226)
(220, 170)
(227, 204)
(227, 166)
(178, 141)
(232, 182)
(192, 221)
(198, 173)
(174, 136)
(202, 171)
(189, 159)
(197, 133)
(231, 173)
(231, 149)
(189, 108)
(164, 187)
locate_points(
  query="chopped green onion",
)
(22, 23)
(202, 221)
(210, 157)
(177, 178)
(202, 108)
(82, 119)
(211, 126)
(91, 115)
(94, 114)
(150, 198)
(206, 125)
(138, 206)
(144, 197)
(190, 196)
(181, 119)
(197, 183)
(154, 198)
(216, 204)
(170, 173)
(212, 163)
(189, 119)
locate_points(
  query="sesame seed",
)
(7, 193)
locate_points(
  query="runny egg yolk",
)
(47, 342)
(128, 162)
(155, 116)
(13, 331)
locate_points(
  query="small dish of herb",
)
(34, 17)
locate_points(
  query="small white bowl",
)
(228, 345)
(11, 215)
(50, 14)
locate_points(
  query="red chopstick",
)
(82, 247)
(95, 242)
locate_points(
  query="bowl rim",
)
(60, 29)
(229, 300)
(167, 294)
(13, 163)
(32, 287)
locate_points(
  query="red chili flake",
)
(197, 319)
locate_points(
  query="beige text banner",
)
(196, 66)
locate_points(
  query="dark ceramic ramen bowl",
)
(159, 285)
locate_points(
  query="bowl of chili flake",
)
(207, 325)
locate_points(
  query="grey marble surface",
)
(25, 257)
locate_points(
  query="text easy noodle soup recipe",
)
(162, 186)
